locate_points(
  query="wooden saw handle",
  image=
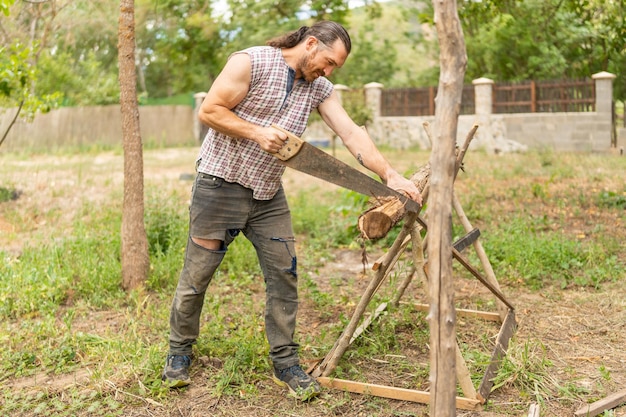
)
(291, 147)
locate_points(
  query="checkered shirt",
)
(267, 102)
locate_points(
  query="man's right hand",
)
(270, 140)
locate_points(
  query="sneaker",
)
(300, 384)
(176, 371)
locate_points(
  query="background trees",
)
(182, 44)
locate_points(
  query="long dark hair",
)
(324, 31)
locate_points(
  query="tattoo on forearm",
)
(360, 159)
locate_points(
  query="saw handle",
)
(292, 145)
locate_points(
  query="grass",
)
(62, 308)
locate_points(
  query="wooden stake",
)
(331, 360)
(608, 403)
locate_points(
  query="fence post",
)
(373, 94)
(604, 107)
(199, 129)
(483, 96)
(340, 88)
(604, 91)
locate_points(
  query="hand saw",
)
(304, 157)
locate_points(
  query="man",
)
(238, 186)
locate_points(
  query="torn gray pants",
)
(220, 210)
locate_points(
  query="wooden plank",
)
(461, 312)
(382, 307)
(607, 403)
(467, 240)
(502, 344)
(392, 392)
(463, 375)
(534, 410)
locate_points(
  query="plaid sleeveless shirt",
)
(267, 102)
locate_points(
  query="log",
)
(376, 222)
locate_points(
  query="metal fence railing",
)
(524, 97)
(544, 96)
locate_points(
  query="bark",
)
(442, 315)
(135, 258)
(376, 222)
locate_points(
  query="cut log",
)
(376, 222)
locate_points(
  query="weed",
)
(8, 194)
(527, 368)
(63, 310)
(523, 248)
(612, 199)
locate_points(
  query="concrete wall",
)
(178, 125)
(98, 125)
(588, 131)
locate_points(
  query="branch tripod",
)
(472, 398)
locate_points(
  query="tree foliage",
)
(511, 40)
(183, 44)
(18, 78)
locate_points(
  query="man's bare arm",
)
(363, 148)
(229, 89)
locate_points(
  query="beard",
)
(308, 71)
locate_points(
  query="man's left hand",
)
(404, 186)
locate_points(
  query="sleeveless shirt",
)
(268, 102)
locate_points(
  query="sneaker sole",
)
(294, 394)
(176, 383)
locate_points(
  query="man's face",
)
(321, 60)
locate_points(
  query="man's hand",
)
(270, 139)
(405, 186)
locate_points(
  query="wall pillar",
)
(373, 94)
(339, 89)
(604, 140)
(604, 91)
(483, 96)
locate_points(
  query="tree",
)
(73, 45)
(371, 59)
(453, 62)
(543, 39)
(5, 6)
(18, 79)
(135, 257)
(178, 46)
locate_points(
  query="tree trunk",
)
(135, 258)
(442, 316)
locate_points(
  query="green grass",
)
(50, 290)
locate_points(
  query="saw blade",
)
(316, 162)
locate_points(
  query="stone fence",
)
(581, 131)
(178, 125)
(98, 126)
